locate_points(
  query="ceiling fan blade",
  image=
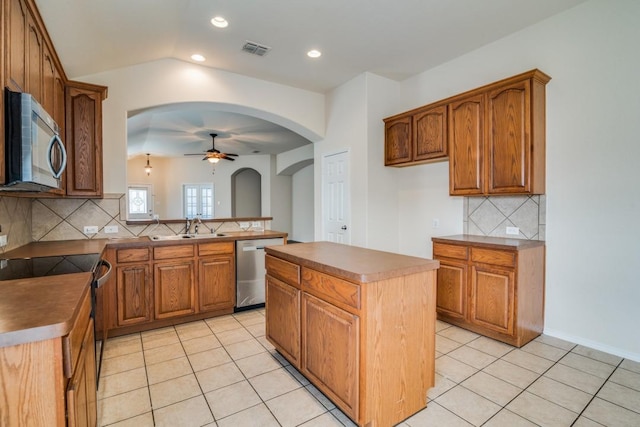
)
(231, 154)
(193, 154)
(229, 158)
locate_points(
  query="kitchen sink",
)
(188, 236)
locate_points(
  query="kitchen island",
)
(358, 323)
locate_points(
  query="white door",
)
(336, 198)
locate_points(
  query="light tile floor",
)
(223, 372)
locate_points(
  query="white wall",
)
(382, 205)
(593, 179)
(280, 199)
(169, 81)
(302, 205)
(346, 131)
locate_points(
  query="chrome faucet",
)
(187, 227)
(197, 218)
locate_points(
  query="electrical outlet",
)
(436, 223)
(513, 230)
(90, 229)
(111, 229)
(3, 240)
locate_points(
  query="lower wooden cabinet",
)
(369, 346)
(216, 277)
(174, 289)
(52, 382)
(81, 391)
(283, 318)
(491, 286)
(452, 289)
(330, 351)
(133, 294)
(158, 285)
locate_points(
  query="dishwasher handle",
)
(252, 248)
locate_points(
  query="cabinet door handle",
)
(344, 227)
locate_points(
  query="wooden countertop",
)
(489, 242)
(64, 247)
(351, 262)
(91, 246)
(40, 308)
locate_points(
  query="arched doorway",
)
(246, 194)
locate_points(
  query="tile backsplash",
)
(15, 221)
(65, 219)
(491, 215)
(25, 220)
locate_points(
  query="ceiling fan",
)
(213, 155)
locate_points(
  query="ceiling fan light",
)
(213, 160)
(220, 22)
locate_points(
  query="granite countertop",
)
(489, 242)
(351, 262)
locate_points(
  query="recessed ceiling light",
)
(219, 22)
(314, 53)
(198, 57)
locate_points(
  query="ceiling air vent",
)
(255, 48)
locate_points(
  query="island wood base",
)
(359, 328)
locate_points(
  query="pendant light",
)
(147, 168)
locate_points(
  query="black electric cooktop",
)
(24, 268)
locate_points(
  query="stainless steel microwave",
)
(35, 157)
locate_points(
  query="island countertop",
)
(352, 262)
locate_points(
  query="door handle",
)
(344, 227)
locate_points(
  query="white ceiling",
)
(395, 39)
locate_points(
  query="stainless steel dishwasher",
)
(250, 271)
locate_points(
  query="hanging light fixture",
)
(147, 168)
(213, 160)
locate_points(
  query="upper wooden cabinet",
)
(397, 141)
(32, 65)
(516, 136)
(84, 139)
(497, 137)
(494, 136)
(15, 43)
(466, 136)
(416, 137)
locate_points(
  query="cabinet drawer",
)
(283, 270)
(72, 343)
(215, 248)
(170, 252)
(450, 251)
(132, 255)
(331, 288)
(492, 256)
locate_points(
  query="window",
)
(139, 202)
(198, 200)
